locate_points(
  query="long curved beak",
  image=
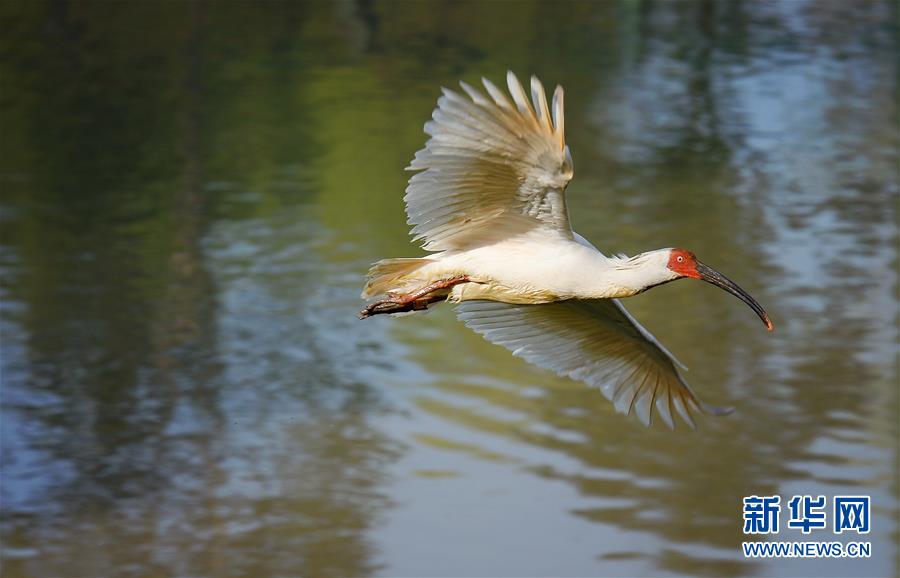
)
(710, 275)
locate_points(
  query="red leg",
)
(415, 301)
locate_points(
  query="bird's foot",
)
(397, 306)
(416, 301)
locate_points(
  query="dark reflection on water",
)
(190, 197)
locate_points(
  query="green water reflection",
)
(191, 194)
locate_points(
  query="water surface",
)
(191, 194)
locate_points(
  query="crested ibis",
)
(488, 203)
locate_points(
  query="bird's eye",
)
(680, 259)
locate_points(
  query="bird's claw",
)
(378, 307)
(393, 306)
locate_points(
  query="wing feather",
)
(597, 342)
(518, 94)
(492, 168)
(539, 98)
(497, 94)
(476, 95)
(558, 117)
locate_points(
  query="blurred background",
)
(192, 193)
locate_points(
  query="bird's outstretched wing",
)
(594, 341)
(491, 168)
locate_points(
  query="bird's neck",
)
(627, 276)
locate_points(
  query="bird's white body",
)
(541, 268)
(488, 201)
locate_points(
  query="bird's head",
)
(683, 263)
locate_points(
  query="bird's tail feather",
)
(388, 275)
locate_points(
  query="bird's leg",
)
(415, 301)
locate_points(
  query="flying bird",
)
(488, 202)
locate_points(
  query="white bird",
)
(488, 201)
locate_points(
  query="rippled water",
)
(192, 193)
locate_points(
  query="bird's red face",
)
(686, 264)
